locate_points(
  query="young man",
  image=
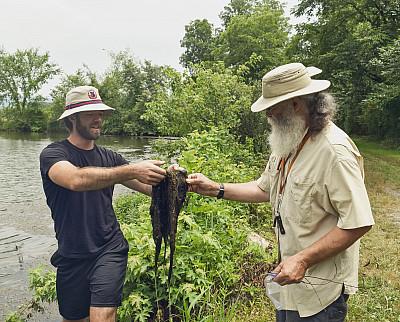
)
(314, 181)
(78, 180)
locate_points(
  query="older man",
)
(314, 181)
(78, 180)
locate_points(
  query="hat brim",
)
(315, 86)
(86, 108)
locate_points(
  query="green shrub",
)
(211, 245)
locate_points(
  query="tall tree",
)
(257, 40)
(199, 43)
(253, 38)
(244, 8)
(22, 74)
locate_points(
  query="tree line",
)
(356, 44)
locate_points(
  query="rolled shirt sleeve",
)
(263, 182)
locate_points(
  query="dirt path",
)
(395, 212)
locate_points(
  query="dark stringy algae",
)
(166, 203)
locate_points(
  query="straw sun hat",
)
(83, 99)
(288, 81)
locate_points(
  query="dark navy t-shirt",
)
(84, 222)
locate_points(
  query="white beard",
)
(286, 133)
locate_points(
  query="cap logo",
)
(92, 94)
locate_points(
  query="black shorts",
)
(95, 281)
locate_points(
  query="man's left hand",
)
(290, 270)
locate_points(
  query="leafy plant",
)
(211, 246)
(208, 97)
(43, 282)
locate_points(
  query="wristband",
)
(221, 191)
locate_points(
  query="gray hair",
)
(322, 108)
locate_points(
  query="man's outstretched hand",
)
(200, 184)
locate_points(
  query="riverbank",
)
(378, 298)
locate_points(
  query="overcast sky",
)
(77, 32)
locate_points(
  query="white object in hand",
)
(273, 290)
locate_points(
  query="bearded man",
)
(78, 180)
(314, 181)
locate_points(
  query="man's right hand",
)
(149, 171)
(200, 184)
(245, 192)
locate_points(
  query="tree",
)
(22, 74)
(257, 40)
(342, 39)
(198, 101)
(244, 8)
(253, 40)
(199, 41)
(381, 109)
(128, 86)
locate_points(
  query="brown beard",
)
(84, 131)
(287, 131)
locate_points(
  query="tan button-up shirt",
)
(324, 189)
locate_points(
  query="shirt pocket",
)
(301, 193)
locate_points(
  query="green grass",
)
(379, 299)
(382, 165)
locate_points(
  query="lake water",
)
(26, 228)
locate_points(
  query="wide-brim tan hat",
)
(288, 81)
(83, 99)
